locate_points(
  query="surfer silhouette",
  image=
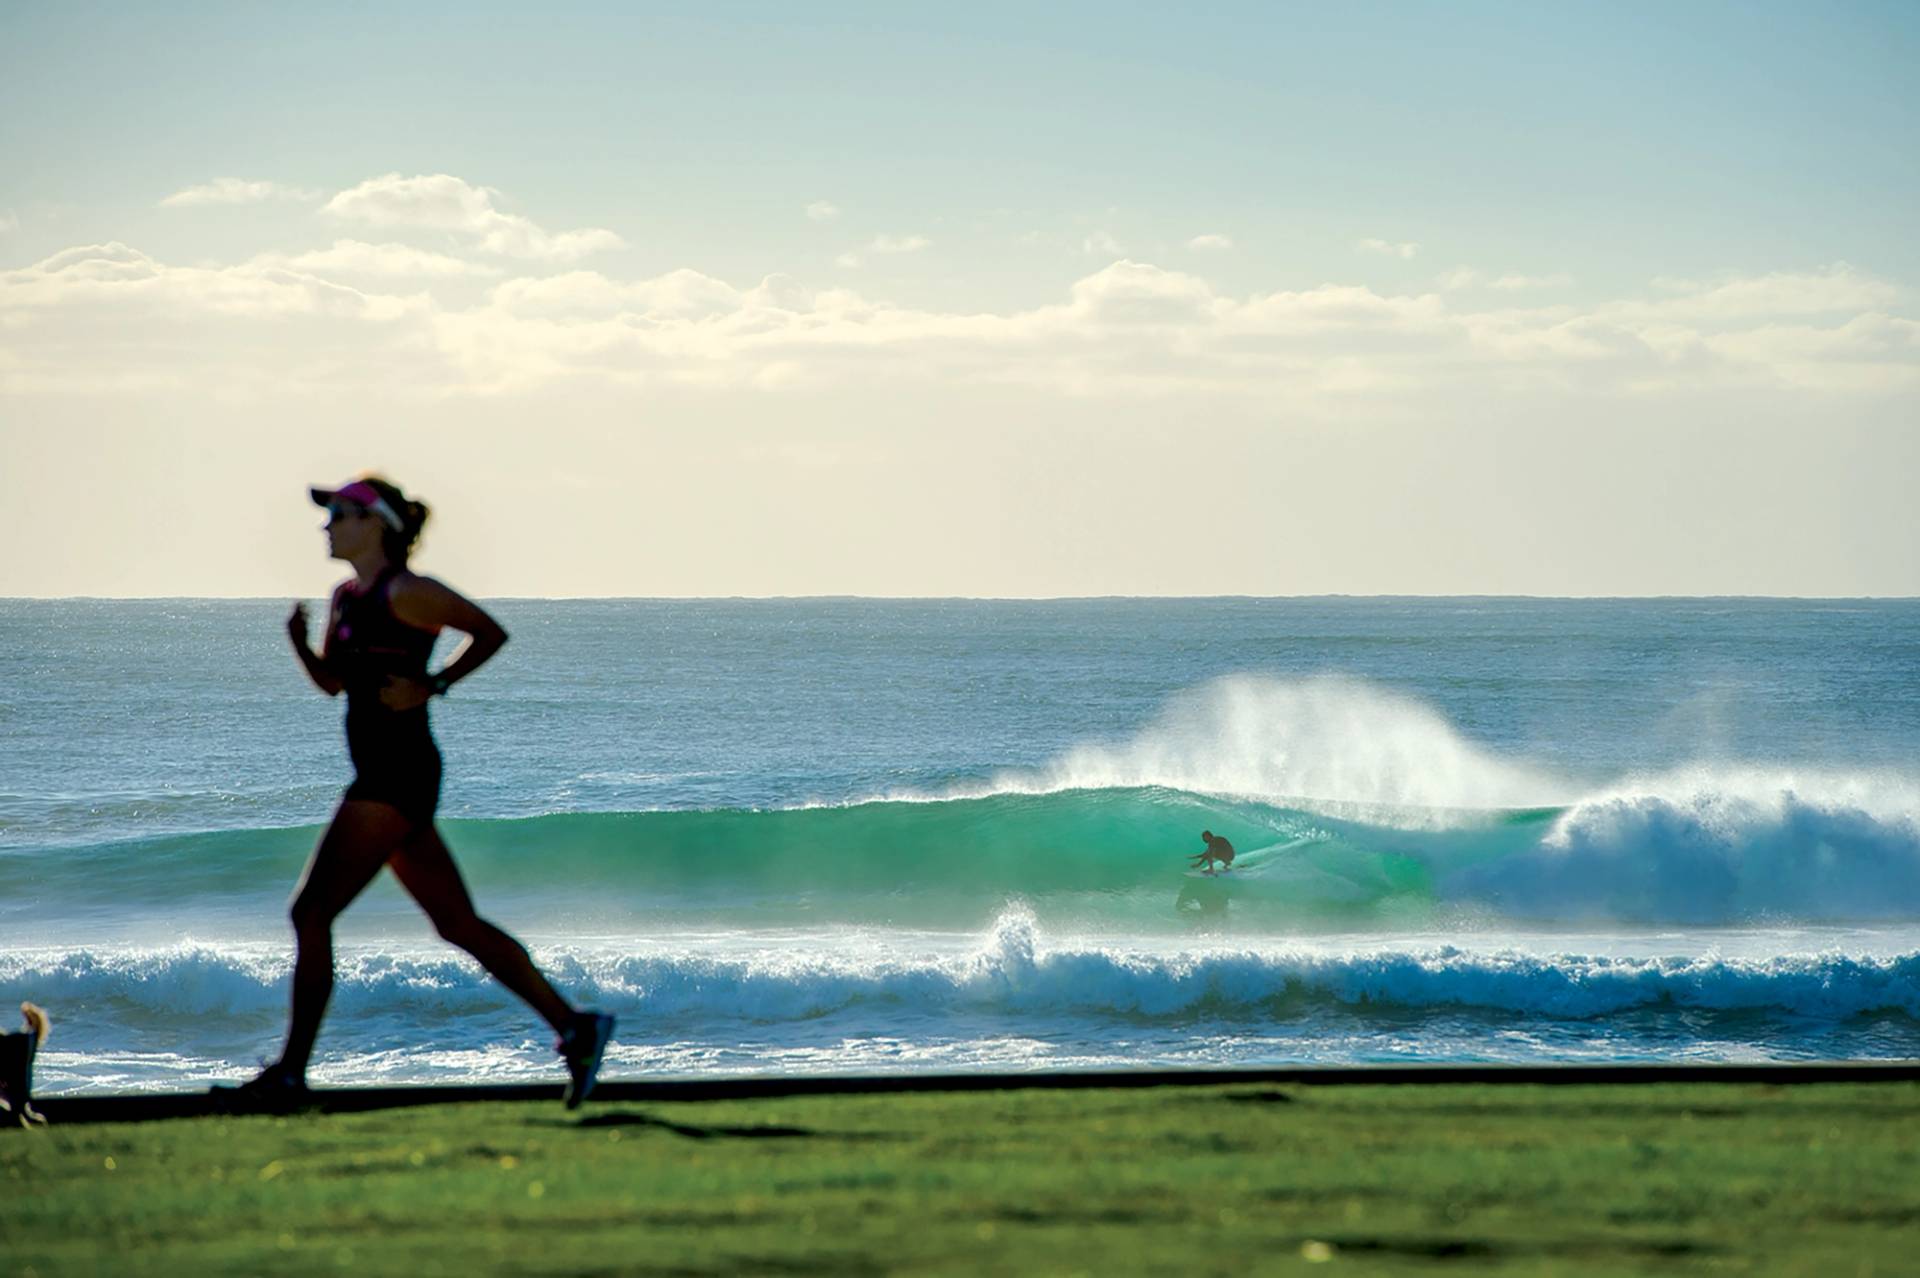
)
(1218, 851)
(380, 632)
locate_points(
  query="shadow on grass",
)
(1058, 1215)
(765, 1131)
(1483, 1249)
(849, 1267)
(1605, 1109)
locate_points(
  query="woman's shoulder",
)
(419, 600)
(406, 583)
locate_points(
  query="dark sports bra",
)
(369, 643)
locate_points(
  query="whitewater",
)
(858, 836)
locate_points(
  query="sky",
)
(994, 300)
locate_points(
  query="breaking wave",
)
(1009, 973)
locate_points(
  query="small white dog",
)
(16, 1069)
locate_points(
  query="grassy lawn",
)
(1686, 1177)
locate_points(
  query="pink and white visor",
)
(360, 493)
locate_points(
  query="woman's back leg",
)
(426, 869)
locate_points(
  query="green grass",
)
(1812, 1179)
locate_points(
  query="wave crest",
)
(1717, 846)
(1012, 973)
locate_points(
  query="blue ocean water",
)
(846, 834)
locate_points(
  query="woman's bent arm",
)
(431, 605)
(317, 668)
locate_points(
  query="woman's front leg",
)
(358, 842)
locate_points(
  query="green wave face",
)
(1116, 860)
(1093, 857)
(1082, 856)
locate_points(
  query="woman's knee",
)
(463, 929)
(311, 915)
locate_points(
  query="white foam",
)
(1010, 972)
(1720, 844)
(1329, 743)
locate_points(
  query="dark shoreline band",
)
(350, 1100)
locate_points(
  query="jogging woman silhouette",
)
(379, 635)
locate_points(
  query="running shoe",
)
(583, 1044)
(273, 1091)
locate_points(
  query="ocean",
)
(854, 835)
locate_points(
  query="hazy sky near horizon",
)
(765, 299)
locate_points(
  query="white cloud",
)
(357, 257)
(1849, 357)
(220, 331)
(442, 202)
(1133, 326)
(1341, 310)
(104, 316)
(228, 190)
(678, 295)
(1463, 277)
(1100, 242)
(9, 221)
(1519, 283)
(885, 245)
(1137, 293)
(1404, 250)
(823, 210)
(114, 273)
(1210, 242)
(1838, 287)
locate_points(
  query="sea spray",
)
(1333, 744)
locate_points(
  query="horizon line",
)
(1091, 598)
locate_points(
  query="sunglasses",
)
(338, 510)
